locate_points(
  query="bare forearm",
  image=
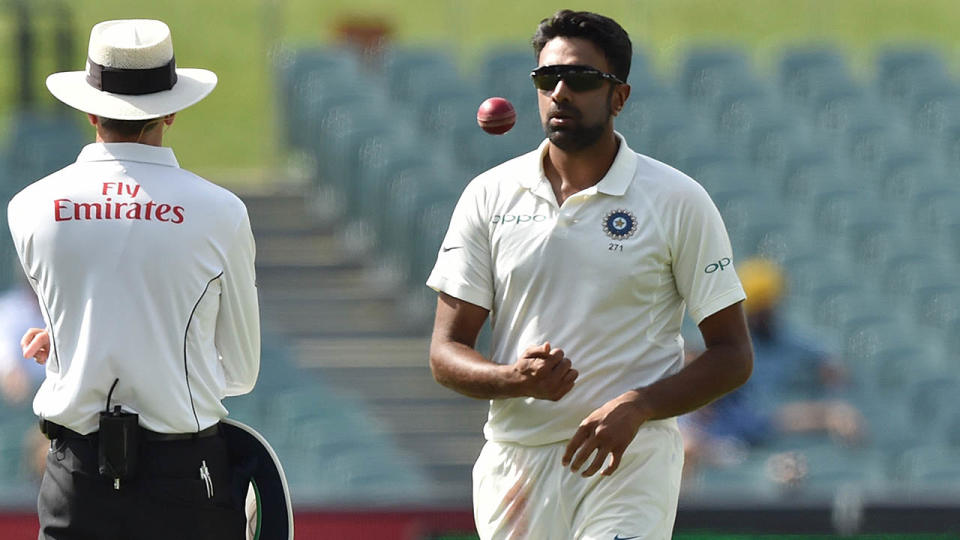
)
(714, 373)
(462, 369)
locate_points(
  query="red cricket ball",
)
(496, 115)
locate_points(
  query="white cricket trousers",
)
(523, 492)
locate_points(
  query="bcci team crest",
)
(619, 224)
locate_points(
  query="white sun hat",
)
(131, 74)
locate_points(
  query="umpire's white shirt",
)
(605, 277)
(144, 272)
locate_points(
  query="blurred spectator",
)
(19, 377)
(796, 387)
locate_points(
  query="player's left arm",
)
(238, 322)
(725, 365)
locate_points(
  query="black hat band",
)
(132, 82)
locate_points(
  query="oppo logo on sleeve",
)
(718, 266)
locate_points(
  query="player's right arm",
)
(541, 372)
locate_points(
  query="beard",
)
(578, 136)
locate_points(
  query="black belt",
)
(56, 431)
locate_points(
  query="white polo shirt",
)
(605, 277)
(144, 272)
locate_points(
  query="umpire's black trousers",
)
(167, 499)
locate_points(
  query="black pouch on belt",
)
(119, 444)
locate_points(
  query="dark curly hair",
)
(602, 31)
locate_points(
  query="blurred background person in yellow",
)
(797, 386)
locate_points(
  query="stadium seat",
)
(364, 159)
(839, 211)
(672, 140)
(948, 145)
(933, 208)
(933, 400)
(951, 426)
(937, 302)
(406, 250)
(873, 237)
(316, 94)
(431, 224)
(476, 151)
(748, 481)
(867, 141)
(773, 140)
(808, 173)
(308, 73)
(643, 116)
(378, 162)
(831, 468)
(39, 143)
(866, 339)
(707, 72)
(858, 126)
(767, 233)
(326, 61)
(902, 70)
(803, 71)
(446, 108)
(737, 204)
(738, 109)
(425, 87)
(931, 470)
(905, 173)
(934, 110)
(807, 269)
(407, 69)
(342, 133)
(716, 170)
(505, 72)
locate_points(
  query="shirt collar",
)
(615, 182)
(142, 153)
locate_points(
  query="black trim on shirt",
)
(186, 371)
(46, 312)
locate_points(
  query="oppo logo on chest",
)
(517, 219)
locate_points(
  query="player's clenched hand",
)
(544, 373)
(36, 345)
(608, 431)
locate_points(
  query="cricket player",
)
(585, 255)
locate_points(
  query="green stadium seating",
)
(930, 469)
(310, 74)
(803, 72)
(643, 114)
(773, 140)
(407, 70)
(505, 72)
(709, 71)
(903, 70)
(746, 481)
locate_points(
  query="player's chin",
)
(564, 139)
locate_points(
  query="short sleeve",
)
(464, 268)
(701, 255)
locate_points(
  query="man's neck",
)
(153, 137)
(572, 172)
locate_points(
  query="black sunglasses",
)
(578, 78)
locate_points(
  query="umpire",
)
(145, 276)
